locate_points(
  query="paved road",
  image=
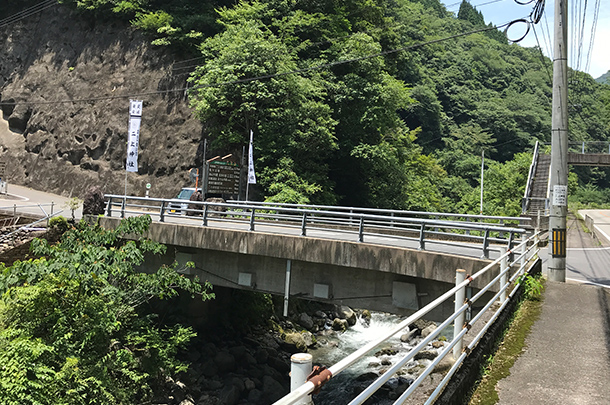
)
(601, 218)
(35, 202)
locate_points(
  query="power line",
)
(593, 31)
(28, 12)
(264, 77)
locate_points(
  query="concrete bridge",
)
(321, 263)
(377, 277)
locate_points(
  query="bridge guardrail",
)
(412, 214)
(506, 281)
(420, 230)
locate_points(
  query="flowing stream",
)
(344, 387)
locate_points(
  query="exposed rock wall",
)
(66, 147)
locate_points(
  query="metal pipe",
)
(301, 365)
(503, 270)
(287, 286)
(460, 297)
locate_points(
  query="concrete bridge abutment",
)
(361, 275)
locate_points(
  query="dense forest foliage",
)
(385, 103)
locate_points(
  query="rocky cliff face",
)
(53, 144)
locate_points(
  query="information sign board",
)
(560, 195)
(223, 178)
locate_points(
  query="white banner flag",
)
(251, 174)
(133, 141)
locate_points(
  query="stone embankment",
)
(15, 243)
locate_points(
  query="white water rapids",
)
(341, 389)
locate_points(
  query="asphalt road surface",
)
(30, 201)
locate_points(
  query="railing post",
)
(504, 278)
(287, 286)
(301, 365)
(14, 210)
(52, 204)
(458, 324)
(486, 245)
(509, 245)
(422, 236)
(523, 250)
(109, 209)
(252, 219)
(304, 225)
(583, 147)
(467, 230)
(361, 229)
(205, 215)
(162, 212)
(123, 204)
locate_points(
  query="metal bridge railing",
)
(382, 224)
(14, 208)
(507, 277)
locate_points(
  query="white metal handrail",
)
(530, 180)
(357, 210)
(521, 260)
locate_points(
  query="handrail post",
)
(252, 219)
(304, 224)
(301, 365)
(123, 207)
(504, 278)
(205, 214)
(422, 237)
(509, 245)
(486, 245)
(14, 210)
(162, 212)
(109, 209)
(523, 250)
(458, 324)
(361, 229)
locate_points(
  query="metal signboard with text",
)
(223, 178)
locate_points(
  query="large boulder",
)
(93, 203)
(298, 341)
(349, 315)
(305, 321)
(340, 325)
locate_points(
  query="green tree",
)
(75, 327)
(286, 111)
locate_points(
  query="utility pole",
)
(559, 147)
(482, 169)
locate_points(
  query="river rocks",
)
(349, 315)
(306, 321)
(298, 341)
(225, 361)
(426, 355)
(340, 324)
(428, 330)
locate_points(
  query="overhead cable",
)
(28, 12)
(264, 77)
